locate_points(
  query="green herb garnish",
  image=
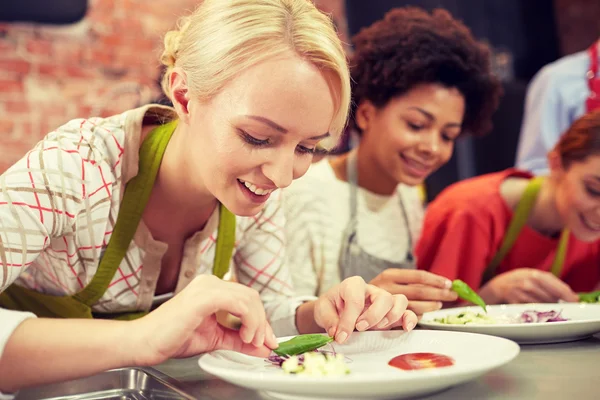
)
(302, 344)
(465, 292)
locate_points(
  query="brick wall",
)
(106, 63)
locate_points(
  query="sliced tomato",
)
(415, 361)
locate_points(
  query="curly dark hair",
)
(410, 46)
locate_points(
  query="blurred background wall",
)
(100, 57)
(81, 58)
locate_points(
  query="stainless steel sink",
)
(118, 384)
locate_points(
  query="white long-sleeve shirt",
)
(317, 208)
(555, 99)
(58, 207)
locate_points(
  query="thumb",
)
(230, 340)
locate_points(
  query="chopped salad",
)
(526, 317)
(301, 356)
(316, 364)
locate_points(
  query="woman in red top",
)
(519, 239)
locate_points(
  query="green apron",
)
(135, 198)
(517, 223)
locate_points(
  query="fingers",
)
(326, 315)
(396, 313)
(533, 294)
(353, 292)
(383, 310)
(253, 324)
(232, 341)
(409, 276)
(416, 285)
(421, 307)
(555, 287)
(409, 321)
(245, 303)
(423, 293)
(526, 285)
(270, 338)
(527, 292)
(521, 297)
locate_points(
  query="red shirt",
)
(464, 228)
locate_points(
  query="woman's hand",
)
(44, 350)
(527, 285)
(425, 291)
(186, 325)
(353, 304)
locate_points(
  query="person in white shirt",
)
(105, 215)
(558, 94)
(420, 80)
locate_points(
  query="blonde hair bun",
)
(222, 38)
(171, 43)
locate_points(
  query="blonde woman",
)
(108, 217)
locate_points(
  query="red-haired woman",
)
(519, 239)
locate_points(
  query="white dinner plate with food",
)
(423, 362)
(524, 323)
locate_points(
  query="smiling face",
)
(578, 196)
(413, 134)
(259, 133)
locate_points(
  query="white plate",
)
(371, 377)
(584, 321)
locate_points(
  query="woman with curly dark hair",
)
(420, 80)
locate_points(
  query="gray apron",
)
(353, 259)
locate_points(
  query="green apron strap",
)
(43, 305)
(225, 242)
(561, 252)
(137, 193)
(517, 223)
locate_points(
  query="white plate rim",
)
(513, 350)
(430, 322)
